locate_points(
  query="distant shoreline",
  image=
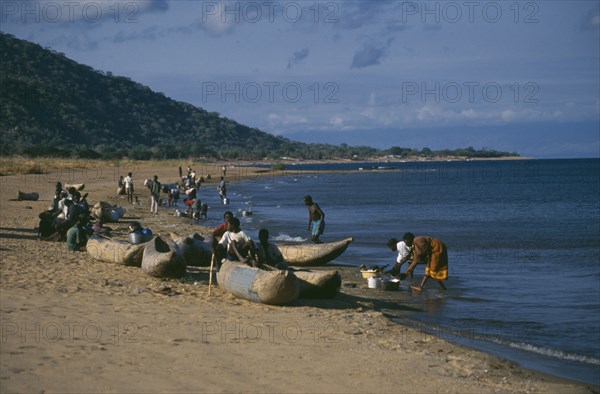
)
(18, 165)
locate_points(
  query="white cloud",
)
(88, 12)
(336, 121)
(285, 120)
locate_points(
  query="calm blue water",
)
(523, 240)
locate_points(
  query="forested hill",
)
(51, 103)
(53, 106)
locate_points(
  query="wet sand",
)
(72, 324)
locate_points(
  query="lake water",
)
(523, 241)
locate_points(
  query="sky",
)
(517, 76)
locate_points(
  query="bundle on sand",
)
(77, 186)
(121, 190)
(196, 251)
(33, 196)
(115, 251)
(268, 287)
(163, 259)
(319, 284)
(107, 212)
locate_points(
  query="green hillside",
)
(53, 106)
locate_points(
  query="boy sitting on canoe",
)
(236, 245)
(268, 253)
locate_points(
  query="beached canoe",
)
(163, 259)
(107, 212)
(306, 255)
(319, 284)
(33, 196)
(77, 186)
(196, 251)
(268, 287)
(115, 251)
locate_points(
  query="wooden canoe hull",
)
(115, 251)
(306, 255)
(163, 259)
(267, 287)
(108, 212)
(197, 253)
(77, 186)
(319, 284)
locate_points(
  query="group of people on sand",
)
(69, 219)
(229, 241)
(414, 250)
(190, 185)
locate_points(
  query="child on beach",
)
(268, 253)
(77, 234)
(404, 255)
(236, 245)
(220, 230)
(128, 180)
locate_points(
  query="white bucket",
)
(225, 201)
(373, 282)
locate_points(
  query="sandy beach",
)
(73, 324)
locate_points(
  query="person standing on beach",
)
(222, 190)
(434, 253)
(154, 194)
(404, 255)
(180, 172)
(129, 187)
(121, 186)
(316, 219)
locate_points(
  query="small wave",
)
(472, 299)
(283, 237)
(555, 353)
(526, 347)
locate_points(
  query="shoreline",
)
(158, 326)
(22, 166)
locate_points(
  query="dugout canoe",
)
(33, 196)
(115, 251)
(306, 255)
(196, 251)
(318, 284)
(253, 284)
(163, 259)
(107, 212)
(77, 186)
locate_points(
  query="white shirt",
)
(63, 209)
(128, 182)
(403, 252)
(240, 238)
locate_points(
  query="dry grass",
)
(19, 165)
